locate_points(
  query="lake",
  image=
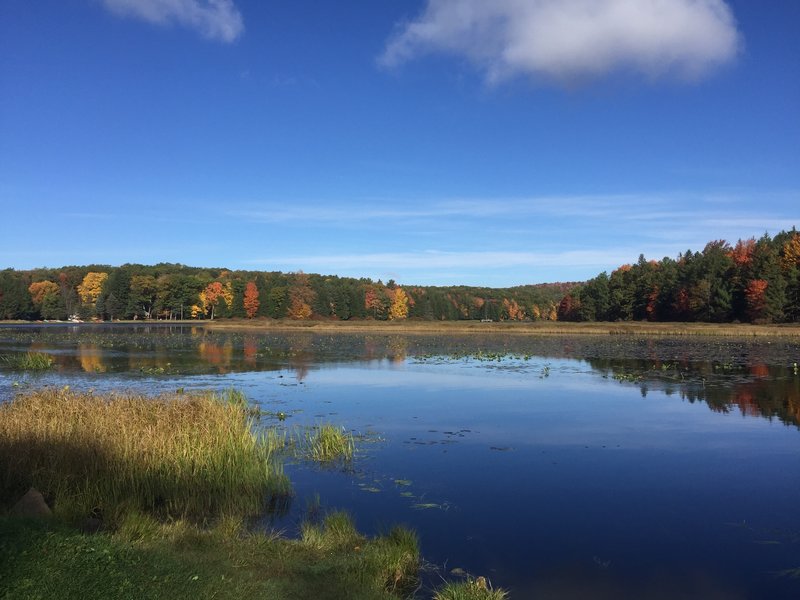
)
(557, 467)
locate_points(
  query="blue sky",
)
(429, 141)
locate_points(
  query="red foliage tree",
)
(756, 296)
(251, 299)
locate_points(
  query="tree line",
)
(174, 291)
(753, 281)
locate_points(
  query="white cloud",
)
(573, 39)
(214, 19)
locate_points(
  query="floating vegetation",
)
(429, 506)
(627, 377)
(790, 573)
(30, 361)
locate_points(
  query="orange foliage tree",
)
(514, 311)
(251, 299)
(301, 296)
(40, 289)
(742, 253)
(211, 296)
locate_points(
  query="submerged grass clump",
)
(327, 443)
(173, 455)
(30, 361)
(472, 589)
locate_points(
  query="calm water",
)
(571, 467)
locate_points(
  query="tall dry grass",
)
(192, 456)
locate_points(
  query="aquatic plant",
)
(171, 455)
(472, 589)
(327, 443)
(30, 361)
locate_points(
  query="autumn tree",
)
(512, 310)
(301, 297)
(790, 266)
(40, 289)
(399, 306)
(251, 299)
(756, 296)
(211, 296)
(376, 301)
(569, 308)
(46, 296)
(91, 288)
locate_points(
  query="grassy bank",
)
(548, 328)
(147, 559)
(169, 482)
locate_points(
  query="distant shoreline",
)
(542, 328)
(537, 328)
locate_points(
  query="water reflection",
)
(759, 379)
(535, 461)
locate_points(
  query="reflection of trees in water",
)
(91, 358)
(218, 355)
(250, 349)
(398, 349)
(756, 390)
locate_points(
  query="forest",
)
(753, 281)
(174, 291)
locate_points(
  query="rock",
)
(31, 506)
(91, 525)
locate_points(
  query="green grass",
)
(387, 563)
(472, 589)
(30, 361)
(174, 479)
(326, 444)
(147, 559)
(192, 456)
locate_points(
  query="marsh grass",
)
(389, 562)
(192, 456)
(30, 361)
(471, 589)
(326, 444)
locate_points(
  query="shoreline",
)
(540, 328)
(528, 328)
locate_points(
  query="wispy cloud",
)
(213, 19)
(664, 208)
(452, 260)
(573, 39)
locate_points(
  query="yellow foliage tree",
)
(536, 312)
(90, 288)
(399, 306)
(791, 253)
